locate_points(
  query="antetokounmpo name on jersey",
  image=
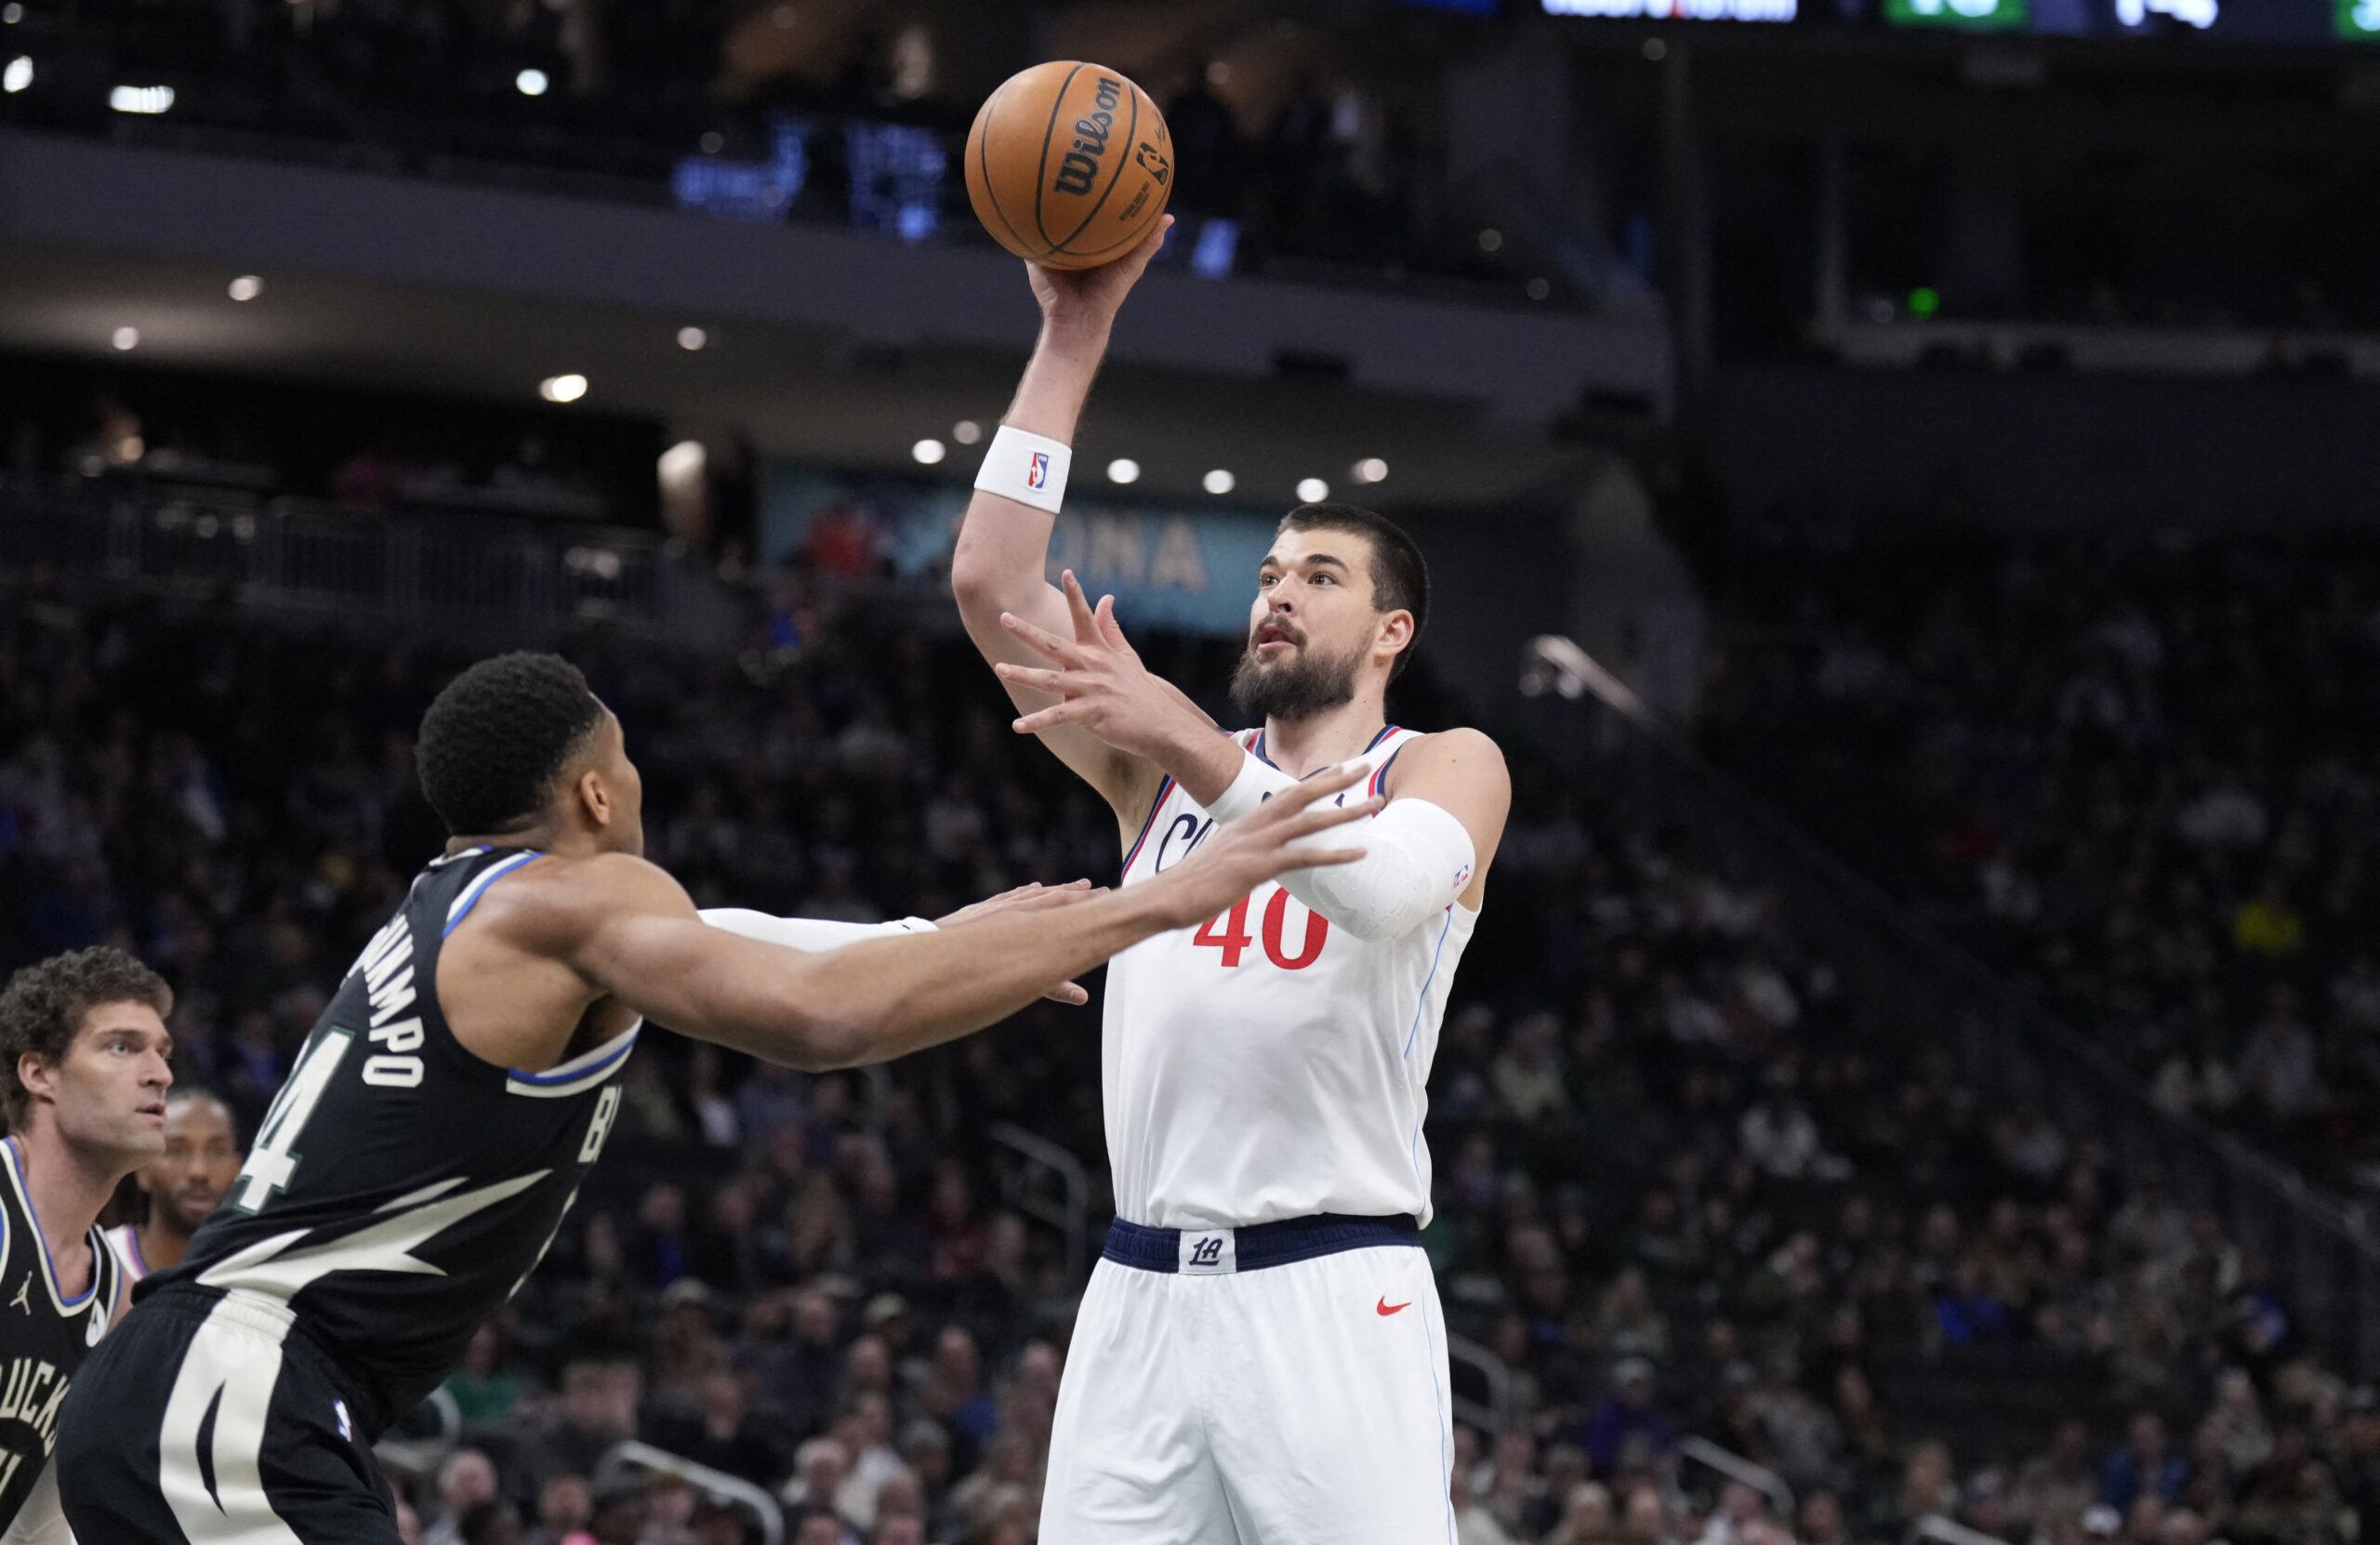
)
(387, 964)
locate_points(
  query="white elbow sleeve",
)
(1417, 860)
(811, 935)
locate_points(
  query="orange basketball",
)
(1069, 164)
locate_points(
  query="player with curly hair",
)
(83, 1076)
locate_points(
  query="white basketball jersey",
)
(1266, 1065)
(127, 1244)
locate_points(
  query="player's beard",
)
(1310, 684)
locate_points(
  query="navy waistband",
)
(1255, 1246)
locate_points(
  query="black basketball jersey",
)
(44, 1337)
(400, 1189)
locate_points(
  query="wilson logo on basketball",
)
(1081, 167)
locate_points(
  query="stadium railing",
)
(1734, 1467)
(1069, 1210)
(2324, 1258)
(634, 1456)
(470, 576)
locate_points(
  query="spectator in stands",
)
(2055, 1486)
(2144, 1465)
(466, 1480)
(1629, 1430)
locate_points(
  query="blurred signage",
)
(1193, 570)
(2359, 20)
(1971, 15)
(761, 192)
(896, 178)
(1677, 10)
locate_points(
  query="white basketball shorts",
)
(1221, 1399)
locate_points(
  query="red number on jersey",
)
(1234, 940)
(1317, 930)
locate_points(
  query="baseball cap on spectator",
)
(686, 1290)
(1632, 1371)
(2101, 1522)
(883, 1307)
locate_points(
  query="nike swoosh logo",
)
(1388, 1308)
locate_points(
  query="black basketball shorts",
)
(206, 1417)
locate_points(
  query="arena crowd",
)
(1687, 1187)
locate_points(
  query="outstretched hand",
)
(1265, 845)
(1035, 897)
(1102, 685)
(1094, 295)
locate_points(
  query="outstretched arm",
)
(1449, 794)
(1003, 550)
(630, 931)
(813, 934)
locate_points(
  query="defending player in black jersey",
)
(83, 1074)
(441, 1116)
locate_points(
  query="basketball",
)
(1068, 164)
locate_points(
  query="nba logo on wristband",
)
(1037, 475)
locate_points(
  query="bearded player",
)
(1260, 1356)
(183, 1185)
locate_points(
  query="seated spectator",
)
(2143, 1465)
(2055, 1486)
(1628, 1429)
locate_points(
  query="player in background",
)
(83, 1075)
(463, 1079)
(183, 1185)
(1260, 1356)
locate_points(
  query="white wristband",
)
(1256, 779)
(1027, 467)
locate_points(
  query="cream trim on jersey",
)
(576, 1075)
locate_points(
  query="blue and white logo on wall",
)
(1191, 570)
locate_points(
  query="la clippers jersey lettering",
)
(401, 1189)
(1265, 1065)
(44, 1337)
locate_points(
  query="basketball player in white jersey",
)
(182, 1185)
(1260, 1359)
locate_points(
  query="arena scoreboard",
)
(2284, 22)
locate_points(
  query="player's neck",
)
(162, 1245)
(68, 1187)
(1302, 747)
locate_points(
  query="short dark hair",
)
(1400, 576)
(493, 742)
(44, 1005)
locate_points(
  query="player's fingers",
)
(1041, 640)
(1345, 775)
(1079, 607)
(1112, 630)
(1318, 858)
(1068, 993)
(1050, 718)
(1324, 817)
(1032, 676)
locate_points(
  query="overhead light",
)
(691, 338)
(1123, 470)
(1656, 50)
(246, 287)
(682, 465)
(147, 100)
(1491, 239)
(1313, 491)
(532, 83)
(11, 13)
(1539, 289)
(1220, 480)
(967, 431)
(563, 389)
(713, 142)
(1370, 470)
(19, 75)
(126, 339)
(929, 452)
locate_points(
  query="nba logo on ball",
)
(1038, 474)
(1463, 877)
